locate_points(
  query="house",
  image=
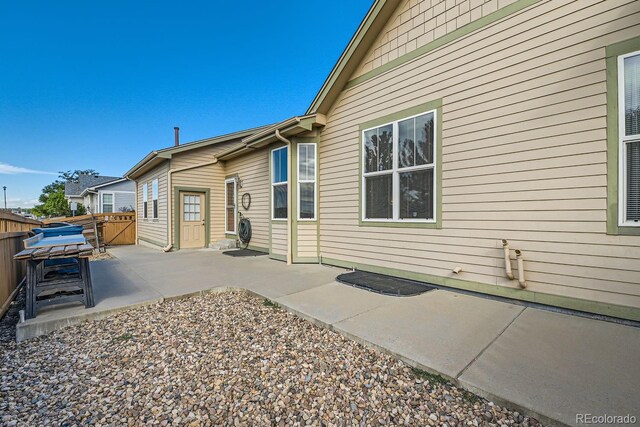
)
(453, 142)
(102, 194)
(118, 195)
(190, 174)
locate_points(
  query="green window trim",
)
(613, 142)
(435, 105)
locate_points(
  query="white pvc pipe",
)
(521, 281)
(507, 260)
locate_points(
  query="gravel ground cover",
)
(11, 318)
(222, 359)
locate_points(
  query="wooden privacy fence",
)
(10, 223)
(112, 228)
(13, 230)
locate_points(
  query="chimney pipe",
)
(176, 131)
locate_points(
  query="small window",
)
(145, 201)
(154, 195)
(231, 206)
(191, 206)
(399, 170)
(279, 183)
(629, 99)
(307, 181)
(107, 203)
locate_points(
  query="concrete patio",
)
(551, 365)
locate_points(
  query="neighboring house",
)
(101, 194)
(444, 128)
(118, 195)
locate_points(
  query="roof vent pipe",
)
(176, 132)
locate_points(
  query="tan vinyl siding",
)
(209, 176)
(253, 170)
(151, 230)
(279, 237)
(416, 23)
(524, 156)
(307, 241)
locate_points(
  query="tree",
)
(53, 202)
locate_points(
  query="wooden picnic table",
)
(57, 271)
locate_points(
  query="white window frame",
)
(622, 147)
(314, 181)
(113, 201)
(286, 147)
(395, 173)
(145, 201)
(235, 205)
(155, 213)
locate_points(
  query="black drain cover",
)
(243, 253)
(387, 285)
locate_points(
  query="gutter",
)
(284, 126)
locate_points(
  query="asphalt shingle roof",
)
(86, 181)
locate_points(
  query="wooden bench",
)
(57, 272)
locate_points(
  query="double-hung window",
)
(231, 206)
(154, 197)
(307, 190)
(107, 202)
(399, 170)
(629, 134)
(279, 183)
(145, 201)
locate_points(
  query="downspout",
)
(137, 213)
(289, 193)
(169, 206)
(521, 281)
(507, 260)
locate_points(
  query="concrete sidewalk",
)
(552, 366)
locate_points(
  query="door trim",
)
(176, 214)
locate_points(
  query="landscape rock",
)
(222, 359)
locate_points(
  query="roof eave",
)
(353, 54)
(105, 184)
(144, 166)
(288, 128)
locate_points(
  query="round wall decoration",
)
(246, 201)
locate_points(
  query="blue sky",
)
(99, 84)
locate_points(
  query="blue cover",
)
(66, 230)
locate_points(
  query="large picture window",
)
(231, 206)
(154, 197)
(279, 183)
(399, 170)
(145, 201)
(307, 181)
(629, 131)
